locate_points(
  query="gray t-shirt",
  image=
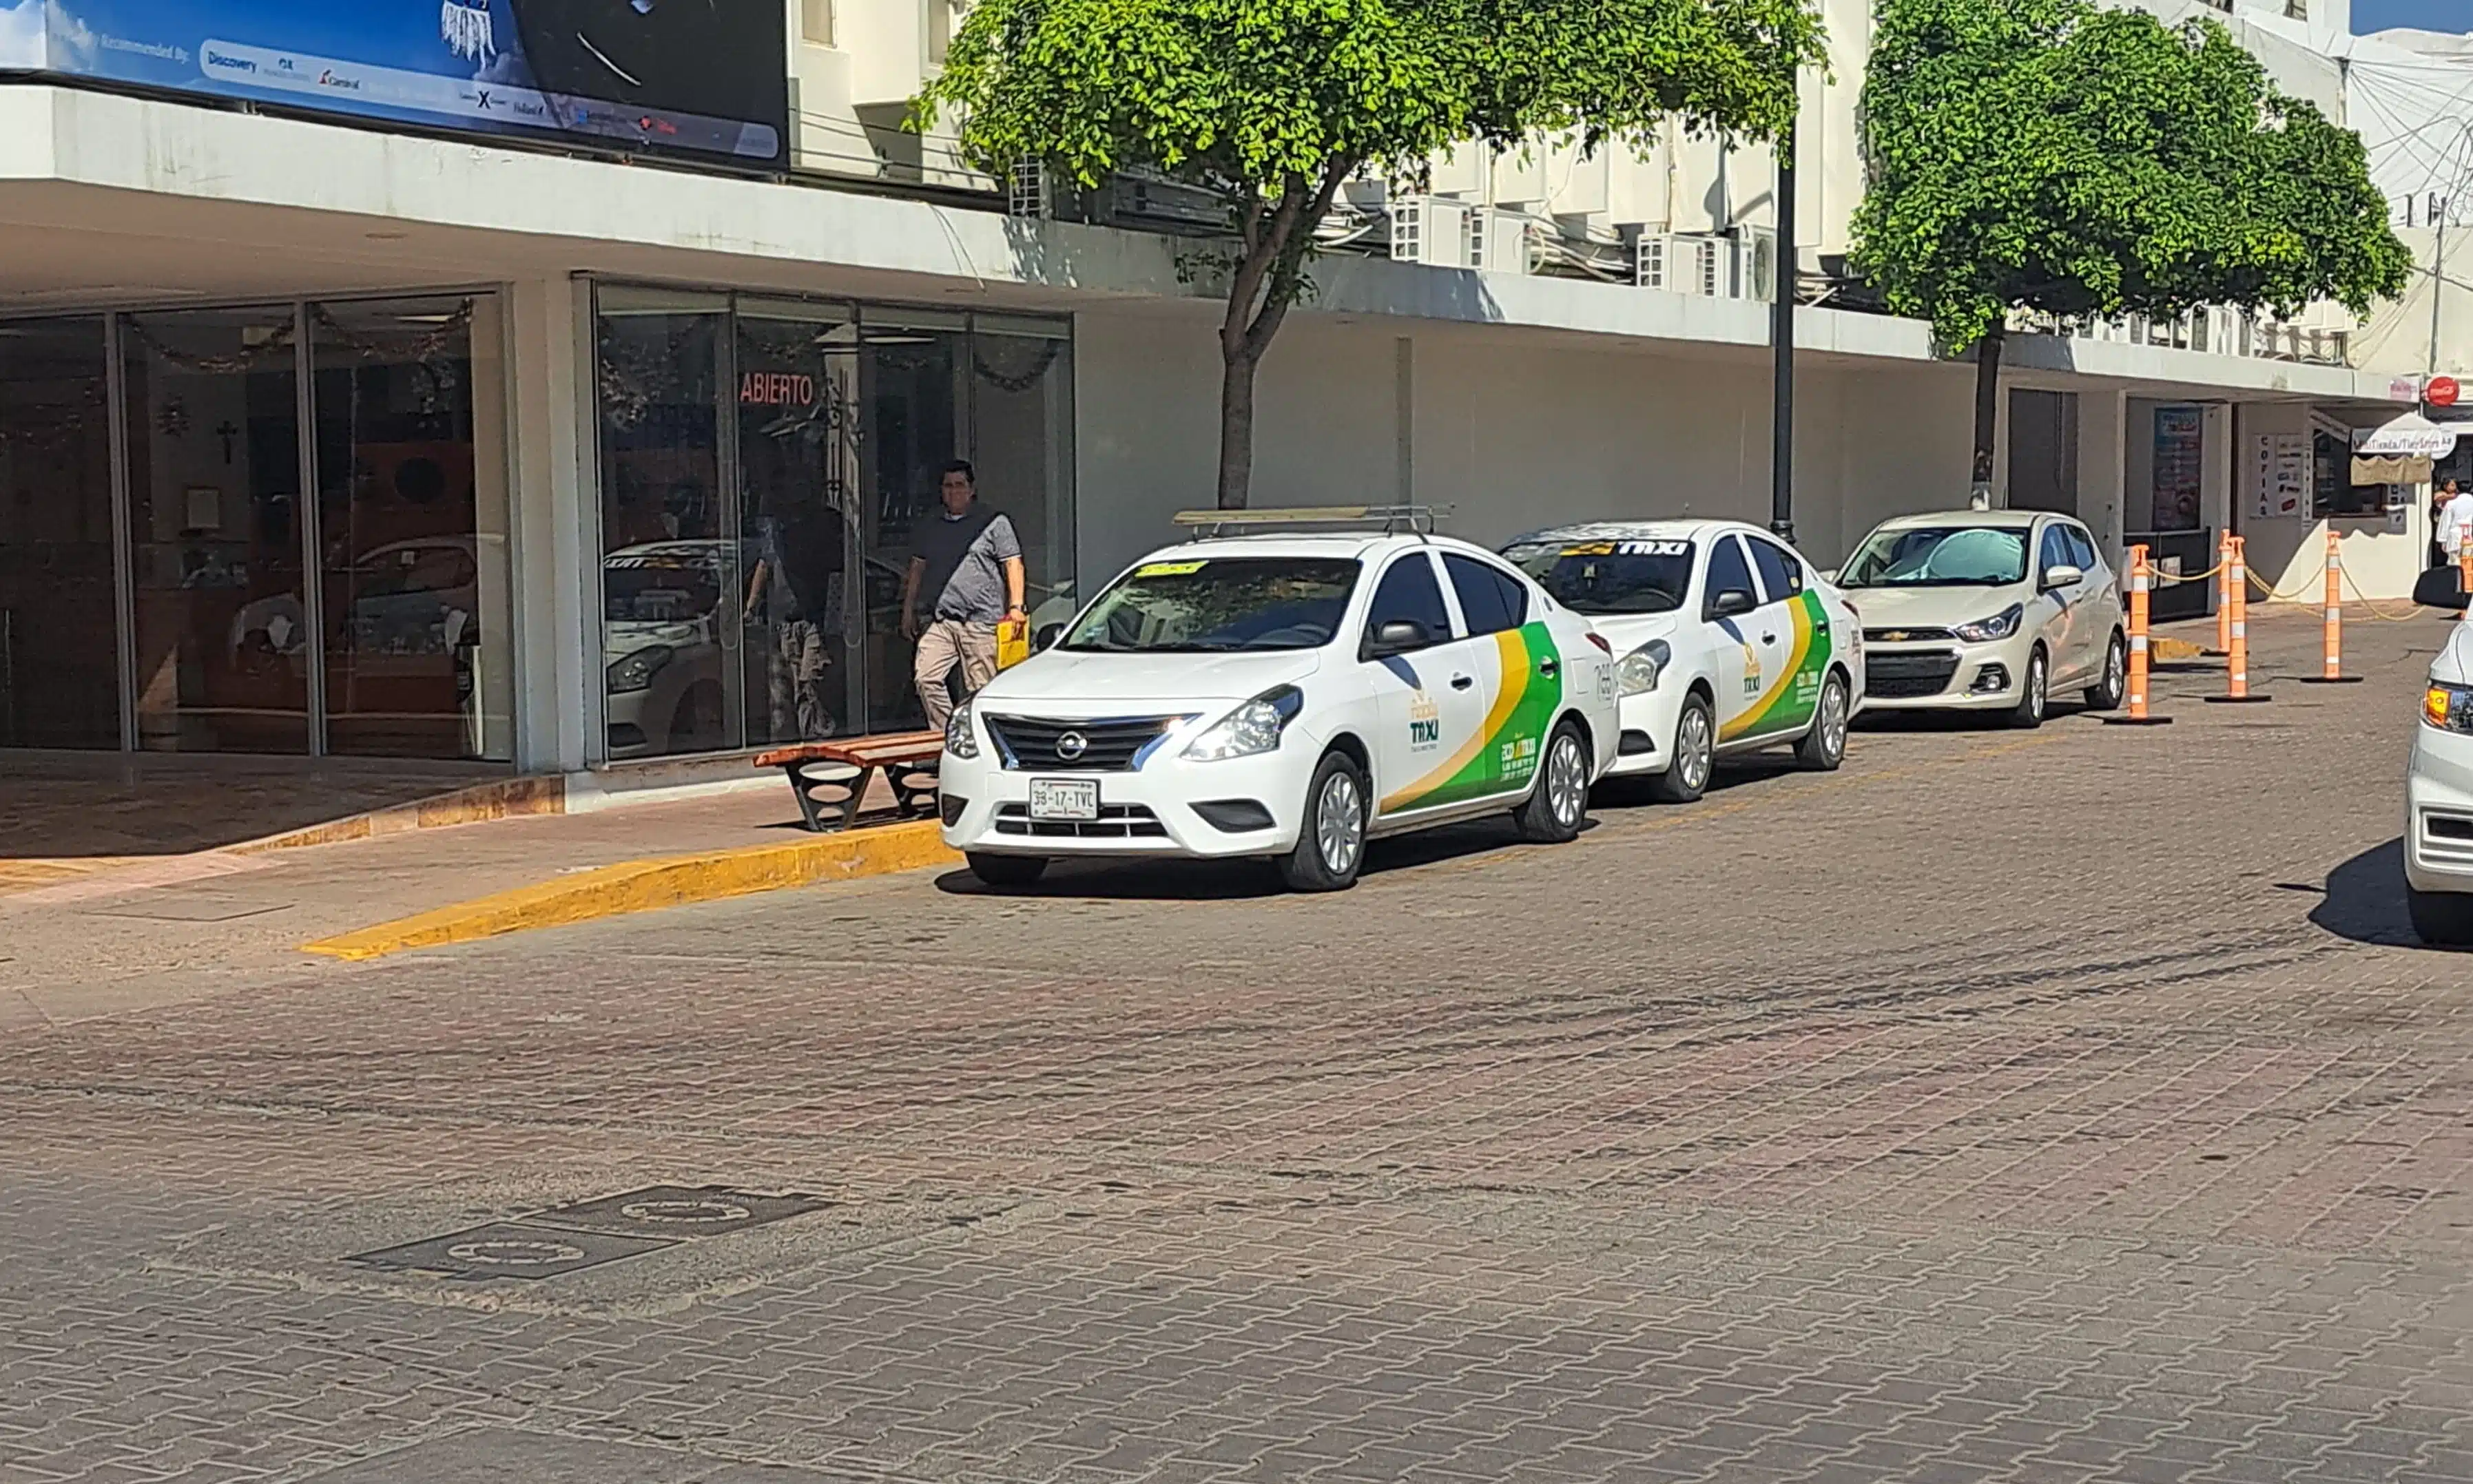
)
(966, 558)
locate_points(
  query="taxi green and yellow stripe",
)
(1525, 704)
(1791, 698)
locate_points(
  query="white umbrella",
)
(2409, 436)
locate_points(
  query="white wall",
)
(1511, 430)
(2290, 555)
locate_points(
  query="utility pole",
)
(1782, 343)
(2437, 271)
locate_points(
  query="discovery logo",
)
(216, 60)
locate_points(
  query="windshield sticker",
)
(1169, 568)
(1591, 549)
(1655, 548)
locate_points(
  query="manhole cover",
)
(503, 1249)
(672, 1211)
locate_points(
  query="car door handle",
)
(1768, 639)
(1548, 667)
(1461, 683)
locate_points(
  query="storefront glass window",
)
(797, 376)
(671, 595)
(412, 528)
(58, 666)
(223, 630)
(1022, 419)
(914, 424)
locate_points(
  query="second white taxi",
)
(1726, 642)
(1285, 696)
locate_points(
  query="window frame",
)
(1445, 599)
(1709, 589)
(1506, 586)
(1799, 581)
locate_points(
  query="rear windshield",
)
(1609, 577)
(1208, 604)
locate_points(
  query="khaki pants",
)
(801, 709)
(949, 642)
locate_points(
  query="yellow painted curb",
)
(2176, 650)
(646, 885)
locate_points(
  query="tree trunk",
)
(1235, 430)
(1987, 409)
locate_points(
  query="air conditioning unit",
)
(1649, 261)
(1498, 241)
(1027, 190)
(1430, 229)
(1684, 263)
(1755, 264)
(1137, 198)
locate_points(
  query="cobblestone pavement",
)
(2044, 1106)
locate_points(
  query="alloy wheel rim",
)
(1340, 823)
(1833, 720)
(1566, 782)
(1694, 760)
(2116, 661)
(2035, 686)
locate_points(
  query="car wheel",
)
(2105, 694)
(2443, 919)
(1558, 801)
(1695, 753)
(2035, 695)
(1331, 845)
(1007, 869)
(1823, 746)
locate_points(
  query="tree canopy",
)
(1279, 103)
(2053, 156)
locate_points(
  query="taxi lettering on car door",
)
(1501, 687)
(1791, 628)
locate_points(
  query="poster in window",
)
(698, 78)
(2179, 443)
(2282, 475)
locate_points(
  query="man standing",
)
(969, 565)
(2456, 523)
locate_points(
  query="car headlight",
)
(1251, 729)
(1639, 670)
(2448, 708)
(961, 737)
(2000, 625)
(636, 671)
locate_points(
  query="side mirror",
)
(1829, 576)
(1731, 602)
(1396, 637)
(2062, 577)
(2441, 586)
(1046, 637)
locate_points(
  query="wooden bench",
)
(907, 760)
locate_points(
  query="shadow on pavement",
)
(2365, 900)
(1233, 880)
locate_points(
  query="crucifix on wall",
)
(226, 432)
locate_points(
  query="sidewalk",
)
(184, 927)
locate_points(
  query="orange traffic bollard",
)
(2224, 594)
(2465, 566)
(2333, 674)
(2237, 689)
(2141, 580)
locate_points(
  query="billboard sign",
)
(700, 78)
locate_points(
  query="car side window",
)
(1728, 571)
(1780, 572)
(2081, 549)
(1408, 590)
(1490, 600)
(2055, 549)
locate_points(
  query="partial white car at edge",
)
(2438, 784)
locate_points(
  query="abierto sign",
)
(698, 78)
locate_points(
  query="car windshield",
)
(660, 585)
(1210, 603)
(1608, 577)
(1937, 557)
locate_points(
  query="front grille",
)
(1907, 676)
(1031, 742)
(1116, 821)
(2447, 839)
(1908, 636)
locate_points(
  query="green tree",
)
(1279, 103)
(2051, 156)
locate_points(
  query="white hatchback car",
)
(2438, 784)
(1987, 611)
(1289, 697)
(1727, 641)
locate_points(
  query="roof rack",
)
(1389, 520)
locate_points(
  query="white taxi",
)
(1286, 696)
(1726, 642)
(2439, 781)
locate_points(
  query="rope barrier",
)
(2376, 612)
(2277, 594)
(2170, 579)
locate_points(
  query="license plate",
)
(1065, 798)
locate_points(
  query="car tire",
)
(1557, 804)
(1006, 869)
(1823, 744)
(2034, 692)
(1331, 842)
(2105, 694)
(2443, 919)
(1694, 756)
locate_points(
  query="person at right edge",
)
(970, 562)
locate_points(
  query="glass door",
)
(913, 379)
(797, 405)
(60, 661)
(671, 577)
(223, 628)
